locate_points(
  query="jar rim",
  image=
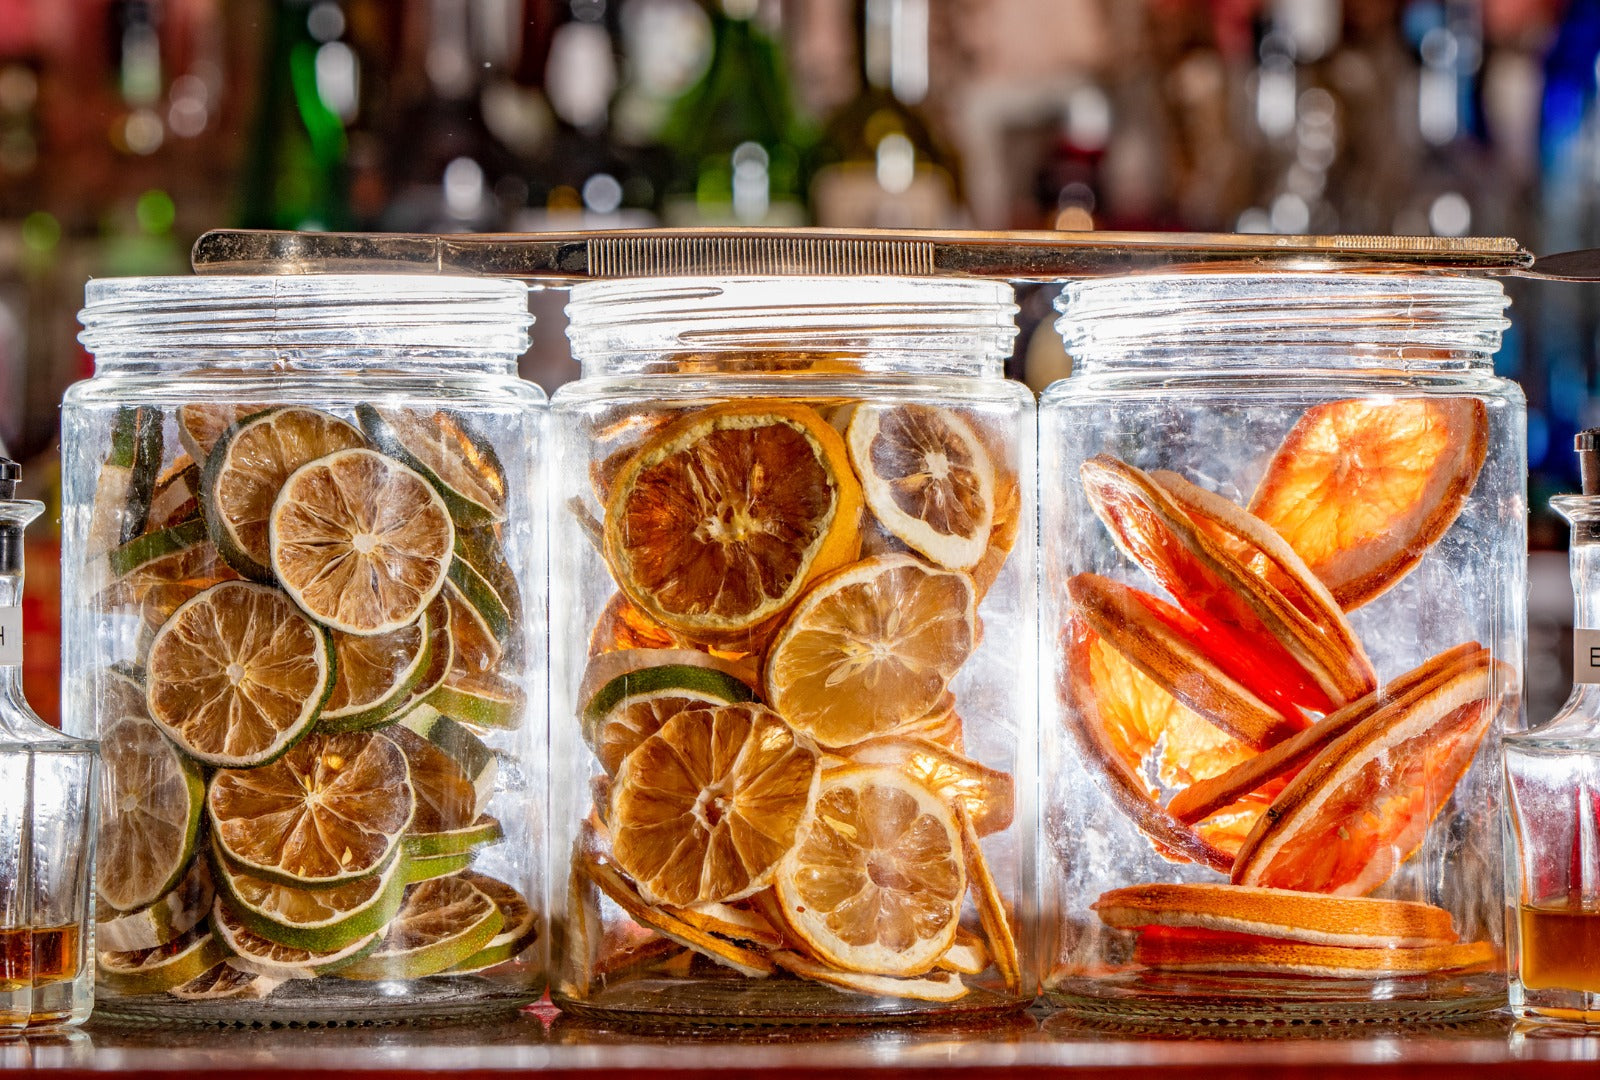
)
(621, 318)
(148, 316)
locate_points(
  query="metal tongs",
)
(564, 258)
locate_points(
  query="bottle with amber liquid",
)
(47, 804)
(1553, 804)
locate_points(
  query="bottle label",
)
(10, 636)
(1585, 656)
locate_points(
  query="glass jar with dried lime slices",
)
(792, 651)
(1284, 559)
(304, 567)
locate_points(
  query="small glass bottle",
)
(47, 799)
(1553, 804)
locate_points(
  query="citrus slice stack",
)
(519, 926)
(704, 809)
(330, 811)
(927, 478)
(1144, 743)
(361, 542)
(1284, 655)
(247, 468)
(150, 807)
(253, 953)
(1347, 821)
(237, 675)
(153, 971)
(871, 647)
(442, 922)
(876, 885)
(1361, 489)
(459, 463)
(717, 524)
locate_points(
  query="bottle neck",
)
(1585, 560)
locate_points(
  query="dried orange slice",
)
(1205, 797)
(927, 479)
(720, 521)
(988, 795)
(361, 542)
(1285, 657)
(1146, 743)
(870, 648)
(330, 811)
(1362, 806)
(703, 810)
(1283, 914)
(751, 963)
(1191, 951)
(876, 885)
(1187, 659)
(1361, 489)
(246, 470)
(934, 986)
(622, 625)
(237, 675)
(992, 914)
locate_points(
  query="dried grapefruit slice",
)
(720, 521)
(1288, 656)
(361, 542)
(1192, 662)
(330, 811)
(237, 675)
(927, 479)
(1361, 489)
(1190, 951)
(1145, 743)
(876, 885)
(1309, 918)
(246, 470)
(1362, 806)
(704, 809)
(870, 648)
(1205, 797)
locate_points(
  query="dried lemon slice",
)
(361, 542)
(704, 809)
(330, 811)
(876, 885)
(927, 478)
(988, 795)
(935, 986)
(246, 470)
(723, 517)
(870, 648)
(237, 675)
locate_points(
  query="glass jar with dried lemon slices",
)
(1284, 558)
(304, 566)
(792, 651)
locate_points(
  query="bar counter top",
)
(541, 1041)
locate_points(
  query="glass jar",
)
(303, 582)
(1285, 560)
(792, 651)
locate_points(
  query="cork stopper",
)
(1587, 444)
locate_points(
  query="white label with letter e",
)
(11, 637)
(1585, 656)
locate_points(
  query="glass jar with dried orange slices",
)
(304, 567)
(1284, 559)
(792, 651)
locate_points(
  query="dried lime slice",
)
(168, 918)
(237, 675)
(154, 971)
(328, 812)
(451, 768)
(127, 480)
(376, 675)
(360, 541)
(463, 841)
(459, 463)
(442, 922)
(428, 867)
(246, 470)
(519, 925)
(224, 981)
(482, 699)
(176, 498)
(253, 953)
(150, 803)
(632, 707)
(318, 920)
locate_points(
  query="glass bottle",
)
(47, 798)
(1553, 804)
